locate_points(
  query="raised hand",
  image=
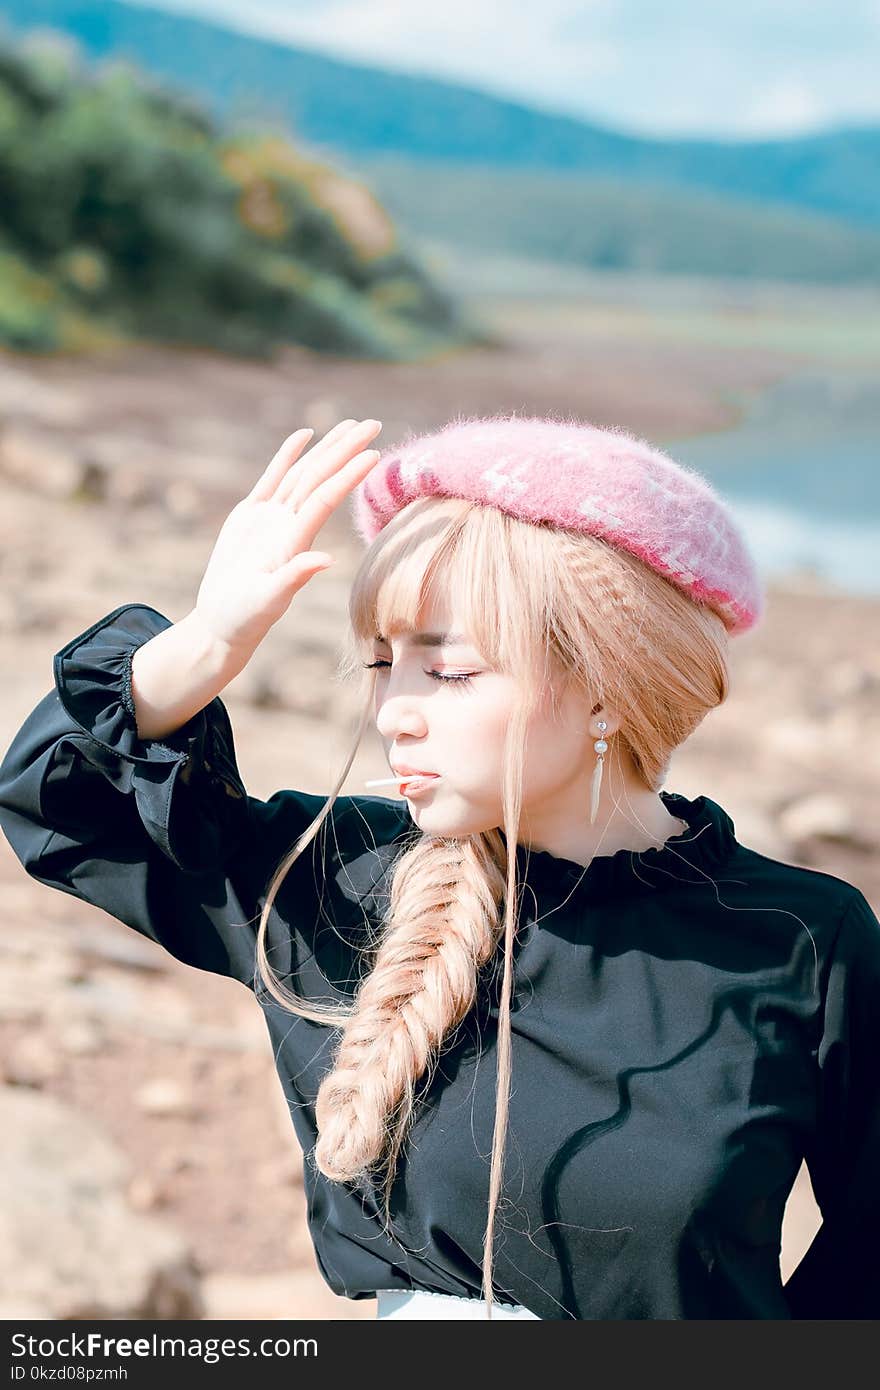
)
(263, 556)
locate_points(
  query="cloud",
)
(737, 69)
(509, 49)
(787, 106)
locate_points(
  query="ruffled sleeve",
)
(839, 1276)
(162, 835)
(186, 787)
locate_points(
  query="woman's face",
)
(440, 707)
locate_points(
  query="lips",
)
(403, 771)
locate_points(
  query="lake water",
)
(801, 474)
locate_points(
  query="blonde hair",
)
(561, 610)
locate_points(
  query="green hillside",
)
(127, 213)
(609, 224)
(363, 111)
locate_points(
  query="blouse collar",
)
(691, 857)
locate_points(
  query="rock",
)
(847, 729)
(24, 395)
(97, 997)
(801, 740)
(171, 1161)
(165, 1096)
(151, 1008)
(81, 1038)
(248, 1035)
(18, 1001)
(294, 1294)
(108, 942)
(801, 1221)
(93, 481)
(320, 414)
(182, 500)
(821, 815)
(130, 488)
(129, 464)
(758, 829)
(70, 1245)
(298, 684)
(275, 1173)
(279, 1106)
(30, 1061)
(43, 464)
(25, 612)
(145, 1193)
(264, 692)
(848, 679)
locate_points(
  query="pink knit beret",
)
(602, 481)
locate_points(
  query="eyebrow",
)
(432, 639)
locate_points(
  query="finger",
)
(323, 462)
(335, 433)
(296, 571)
(332, 437)
(280, 463)
(327, 496)
(288, 454)
(301, 483)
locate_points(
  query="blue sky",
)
(735, 68)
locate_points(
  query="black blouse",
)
(689, 1022)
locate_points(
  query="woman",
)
(572, 1082)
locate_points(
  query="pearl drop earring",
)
(601, 748)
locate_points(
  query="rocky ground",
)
(142, 1094)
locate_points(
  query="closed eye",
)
(462, 680)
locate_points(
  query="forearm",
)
(176, 673)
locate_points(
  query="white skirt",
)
(424, 1304)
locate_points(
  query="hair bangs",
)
(457, 557)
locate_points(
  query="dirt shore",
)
(134, 462)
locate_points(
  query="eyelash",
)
(462, 681)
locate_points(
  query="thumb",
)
(302, 567)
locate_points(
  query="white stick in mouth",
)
(395, 781)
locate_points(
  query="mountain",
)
(618, 225)
(365, 112)
(461, 169)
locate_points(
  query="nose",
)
(394, 720)
(400, 716)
